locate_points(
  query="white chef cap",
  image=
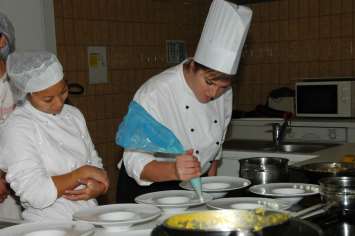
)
(34, 71)
(8, 30)
(223, 36)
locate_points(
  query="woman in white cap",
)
(193, 100)
(8, 207)
(45, 146)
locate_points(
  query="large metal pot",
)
(262, 170)
(339, 192)
(316, 171)
(230, 223)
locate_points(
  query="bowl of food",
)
(256, 222)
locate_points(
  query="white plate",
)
(290, 200)
(218, 183)
(50, 228)
(285, 189)
(143, 232)
(248, 203)
(173, 200)
(118, 217)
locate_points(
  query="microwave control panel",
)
(317, 134)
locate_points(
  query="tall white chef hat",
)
(34, 71)
(223, 36)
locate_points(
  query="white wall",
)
(34, 23)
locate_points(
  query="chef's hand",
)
(4, 190)
(92, 189)
(187, 166)
(93, 172)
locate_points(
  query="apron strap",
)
(128, 189)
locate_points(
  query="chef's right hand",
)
(93, 172)
(91, 190)
(187, 166)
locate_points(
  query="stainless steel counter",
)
(268, 146)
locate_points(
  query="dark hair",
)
(218, 75)
(199, 66)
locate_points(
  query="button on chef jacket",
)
(35, 146)
(198, 126)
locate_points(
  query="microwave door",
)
(314, 100)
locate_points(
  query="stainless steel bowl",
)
(262, 170)
(338, 191)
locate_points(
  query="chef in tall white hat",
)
(193, 100)
(45, 147)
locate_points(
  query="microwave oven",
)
(332, 98)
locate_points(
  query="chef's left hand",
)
(213, 168)
(92, 189)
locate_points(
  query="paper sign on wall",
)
(97, 61)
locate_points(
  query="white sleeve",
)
(134, 163)
(228, 116)
(26, 172)
(151, 96)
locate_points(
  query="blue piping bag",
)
(196, 184)
(142, 132)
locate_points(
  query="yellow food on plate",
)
(348, 158)
(254, 220)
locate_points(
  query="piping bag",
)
(141, 132)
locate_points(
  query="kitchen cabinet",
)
(307, 130)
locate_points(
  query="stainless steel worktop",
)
(328, 152)
(268, 146)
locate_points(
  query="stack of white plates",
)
(118, 217)
(218, 186)
(173, 200)
(50, 229)
(248, 203)
(289, 192)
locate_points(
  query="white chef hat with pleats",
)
(34, 71)
(223, 36)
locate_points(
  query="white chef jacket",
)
(198, 126)
(35, 146)
(7, 102)
(8, 209)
